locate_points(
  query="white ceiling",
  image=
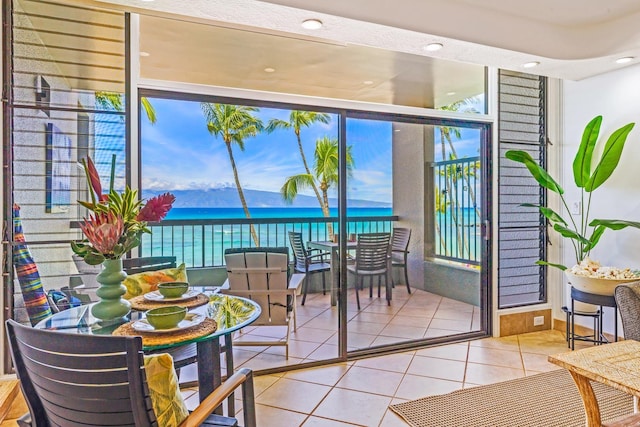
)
(571, 39)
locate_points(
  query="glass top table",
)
(80, 320)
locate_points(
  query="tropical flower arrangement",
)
(118, 219)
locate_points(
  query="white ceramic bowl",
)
(596, 285)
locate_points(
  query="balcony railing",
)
(201, 243)
(457, 210)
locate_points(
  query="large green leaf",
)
(594, 239)
(566, 232)
(538, 173)
(550, 264)
(614, 224)
(610, 158)
(548, 213)
(582, 162)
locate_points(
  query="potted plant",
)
(582, 233)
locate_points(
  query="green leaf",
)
(594, 239)
(614, 224)
(550, 264)
(538, 173)
(94, 259)
(548, 213)
(610, 158)
(567, 232)
(582, 162)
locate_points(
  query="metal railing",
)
(201, 243)
(457, 210)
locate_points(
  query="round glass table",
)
(79, 320)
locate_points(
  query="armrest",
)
(244, 378)
(295, 283)
(25, 420)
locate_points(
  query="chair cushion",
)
(164, 391)
(141, 283)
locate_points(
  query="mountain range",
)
(228, 198)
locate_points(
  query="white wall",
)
(615, 96)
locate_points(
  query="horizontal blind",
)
(522, 233)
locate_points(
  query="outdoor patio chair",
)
(627, 298)
(400, 251)
(261, 274)
(307, 261)
(78, 379)
(372, 259)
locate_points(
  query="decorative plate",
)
(158, 297)
(191, 319)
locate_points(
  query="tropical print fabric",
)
(166, 399)
(141, 283)
(35, 298)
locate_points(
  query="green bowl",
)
(166, 317)
(173, 289)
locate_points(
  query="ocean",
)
(287, 212)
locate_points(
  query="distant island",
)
(228, 198)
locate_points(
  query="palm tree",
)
(297, 120)
(113, 100)
(234, 124)
(325, 174)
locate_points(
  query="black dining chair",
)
(100, 380)
(308, 261)
(400, 251)
(372, 259)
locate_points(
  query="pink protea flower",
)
(156, 208)
(103, 231)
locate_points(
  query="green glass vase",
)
(111, 305)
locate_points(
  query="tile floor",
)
(358, 393)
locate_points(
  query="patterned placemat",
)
(141, 304)
(208, 326)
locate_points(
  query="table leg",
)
(591, 408)
(209, 369)
(231, 404)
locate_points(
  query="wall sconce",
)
(43, 94)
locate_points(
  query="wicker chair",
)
(628, 300)
(78, 379)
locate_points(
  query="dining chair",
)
(308, 261)
(372, 259)
(400, 251)
(262, 274)
(78, 379)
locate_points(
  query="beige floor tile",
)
(400, 319)
(452, 370)
(410, 311)
(390, 419)
(451, 325)
(382, 340)
(415, 387)
(369, 328)
(392, 362)
(325, 351)
(404, 331)
(433, 333)
(263, 382)
(495, 356)
(373, 318)
(324, 422)
(320, 323)
(448, 351)
(267, 416)
(353, 407)
(488, 374)
(537, 362)
(328, 375)
(313, 335)
(371, 381)
(293, 395)
(504, 343)
(267, 361)
(298, 349)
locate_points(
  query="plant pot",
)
(111, 305)
(596, 285)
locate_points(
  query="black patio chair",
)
(400, 251)
(308, 261)
(96, 380)
(372, 259)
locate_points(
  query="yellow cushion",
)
(164, 391)
(141, 283)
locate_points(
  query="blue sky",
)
(178, 153)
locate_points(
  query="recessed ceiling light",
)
(432, 47)
(451, 93)
(367, 82)
(145, 54)
(269, 70)
(531, 64)
(624, 60)
(312, 24)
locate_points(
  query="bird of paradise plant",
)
(118, 220)
(584, 235)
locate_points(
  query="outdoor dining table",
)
(332, 247)
(81, 321)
